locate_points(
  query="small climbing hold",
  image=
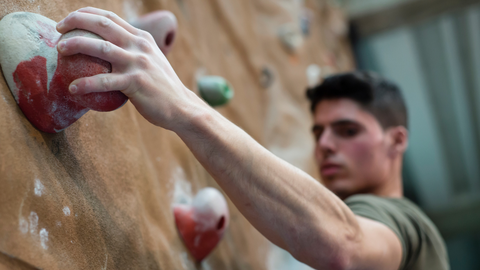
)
(306, 20)
(162, 25)
(202, 223)
(215, 90)
(313, 73)
(291, 36)
(266, 77)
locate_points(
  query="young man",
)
(285, 204)
(360, 127)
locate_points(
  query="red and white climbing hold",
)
(39, 78)
(202, 223)
(162, 25)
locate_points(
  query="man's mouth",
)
(329, 169)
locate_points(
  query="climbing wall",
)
(99, 195)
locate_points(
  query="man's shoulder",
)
(398, 208)
(400, 214)
(422, 244)
(378, 201)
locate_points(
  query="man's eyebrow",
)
(345, 122)
(340, 122)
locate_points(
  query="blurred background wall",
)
(432, 50)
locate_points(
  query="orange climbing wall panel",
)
(98, 195)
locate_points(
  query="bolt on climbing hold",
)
(266, 77)
(306, 21)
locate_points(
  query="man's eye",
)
(347, 132)
(317, 132)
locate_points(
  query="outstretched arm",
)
(285, 204)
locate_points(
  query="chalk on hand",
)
(215, 90)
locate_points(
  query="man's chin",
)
(343, 195)
(340, 187)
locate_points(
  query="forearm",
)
(285, 204)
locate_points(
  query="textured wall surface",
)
(98, 195)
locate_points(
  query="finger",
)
(99, 25)
(112, 16)
(100, 83)
(102, 49)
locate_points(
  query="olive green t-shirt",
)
(423, 247)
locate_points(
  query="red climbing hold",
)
(203, 223)
(39, 77)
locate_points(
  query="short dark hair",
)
(377, 95)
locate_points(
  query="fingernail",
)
(61, 45)
(73, 89)
(60, 24)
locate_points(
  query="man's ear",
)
(398, 140)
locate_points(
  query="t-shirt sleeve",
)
(387, 213)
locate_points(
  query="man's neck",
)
(392, 186)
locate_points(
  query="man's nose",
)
(326, 142)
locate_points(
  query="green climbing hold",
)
(215, 90)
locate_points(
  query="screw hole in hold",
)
(266, 77)
(220, 223)
(169, 38)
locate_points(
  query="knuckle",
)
(110, 15)
(141, 33)
(146, 35)
(105, 83)
(132, 81)
(106, 47)
(143, 61)
(144, 45)
(104, 22)
(137, 78)
(87, 84)
(149, 36)
(74, 42)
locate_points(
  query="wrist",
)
(194, 117)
